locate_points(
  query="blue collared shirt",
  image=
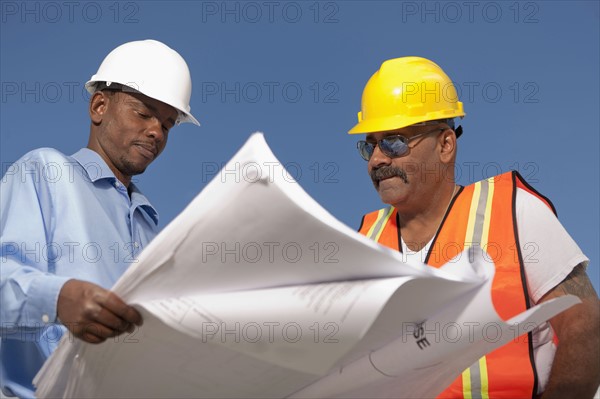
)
(61, 218)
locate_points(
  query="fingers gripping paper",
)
(255, 290)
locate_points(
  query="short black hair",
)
(112, 86)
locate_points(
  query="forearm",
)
(575, 371)
(28, 297)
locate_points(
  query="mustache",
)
(385, 172)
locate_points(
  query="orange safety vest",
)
(481, 214)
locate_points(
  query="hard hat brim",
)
(184, 117)
(398, 122)
(188, 118)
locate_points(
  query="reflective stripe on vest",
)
(383, 215)
(482, 216)
(475, 378)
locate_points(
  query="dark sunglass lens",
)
(365, 149)
(393, 147)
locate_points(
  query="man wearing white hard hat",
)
(66, 239)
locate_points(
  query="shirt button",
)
(136, 244)
(45, 318)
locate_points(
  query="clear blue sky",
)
(528, 74)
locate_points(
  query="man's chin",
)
(139, 171)
(391, 194)
(134, 170)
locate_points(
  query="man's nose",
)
(379, 158)
(155, 129)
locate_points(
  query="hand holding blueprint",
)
(255, 290)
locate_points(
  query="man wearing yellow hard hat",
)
(408, 114)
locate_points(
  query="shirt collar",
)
(97, 169)
(93, 164)
(139, 199)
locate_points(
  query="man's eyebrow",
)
(153, 109)
(387, 134)
(170, 120)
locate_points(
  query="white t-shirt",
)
(549, 255)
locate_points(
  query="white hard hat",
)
(153, 69)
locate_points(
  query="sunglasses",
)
(392, 146)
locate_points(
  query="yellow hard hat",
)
(405, 91)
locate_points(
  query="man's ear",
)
(448, 146)
(98, 106)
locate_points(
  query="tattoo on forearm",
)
(578, 283)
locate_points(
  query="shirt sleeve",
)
(549, 253)
(28, 288)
